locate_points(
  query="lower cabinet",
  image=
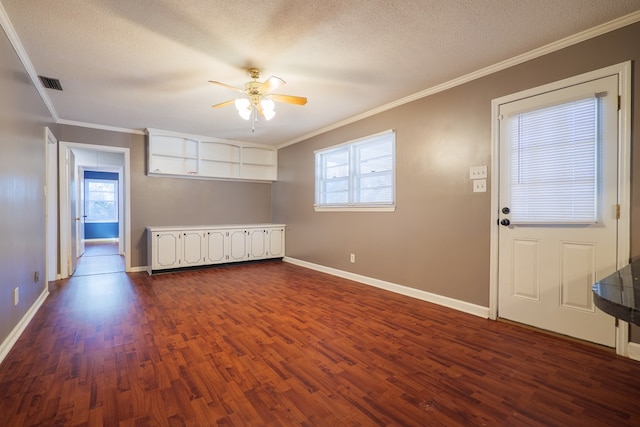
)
(177, 247)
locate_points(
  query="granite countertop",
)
(619, 293)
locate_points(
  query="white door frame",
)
(120, 172)
(65, 213)
(51, 194)
(623, 70)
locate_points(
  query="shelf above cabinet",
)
(192, 156)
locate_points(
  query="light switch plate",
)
(478, 172)
(479, 185)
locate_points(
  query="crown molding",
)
(7, 26)
(101, 127)
(516, 60)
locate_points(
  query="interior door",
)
(73, 196)
(558, 232)
(82, 213)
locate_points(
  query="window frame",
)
(352, 147)
(87, 200)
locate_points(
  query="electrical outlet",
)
(16, 296)
(353, 258)
(478, 172)
(479, 185)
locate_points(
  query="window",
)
(554, 163)
(101, 200)
(357, 175)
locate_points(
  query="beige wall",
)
(438, 238)
(162, 201)
(23, 117)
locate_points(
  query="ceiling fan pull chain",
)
(253, 122)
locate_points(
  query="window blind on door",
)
(554, 164)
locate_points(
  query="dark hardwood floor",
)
(273, 344)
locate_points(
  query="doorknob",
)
(505, 222)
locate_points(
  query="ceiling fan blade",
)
(224, 104)
(271, 84)
(227, 86)
(289, 99)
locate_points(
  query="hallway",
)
(100, 258)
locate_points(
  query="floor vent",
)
(50, 83)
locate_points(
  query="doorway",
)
(100, 257)
(74, 159)
(540, 276)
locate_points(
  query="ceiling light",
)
(244, 108)
(257, 99)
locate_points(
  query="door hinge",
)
(617, 211)
(619, 102)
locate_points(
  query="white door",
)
(81, 213)
(73, 196)
(52, 206)
(558, 202)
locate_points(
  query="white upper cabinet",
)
(219, 159)
(171, 153)
(260, 163)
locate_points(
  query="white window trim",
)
(356, 207)
(390, 208)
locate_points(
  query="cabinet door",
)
(257, 247)
(192, 253)
(275, 242)
(166, 250)
(217, 246)
(238, 245)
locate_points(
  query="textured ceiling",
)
(146, 63)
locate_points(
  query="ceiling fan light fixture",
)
(269, 114)
(243, 105)
(258, 98)
(267, 104)
(268, 108)
(245, 114)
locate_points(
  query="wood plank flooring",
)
(273, 344)
(100, 258)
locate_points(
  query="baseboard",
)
(455, 304)
(8, 343)
(103, 240)
(633, 351)
(138, 269)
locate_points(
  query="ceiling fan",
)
(257, 97)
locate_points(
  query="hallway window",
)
(101, 200)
